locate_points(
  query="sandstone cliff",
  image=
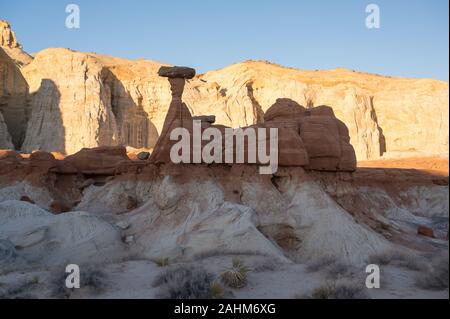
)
(78, 100)
(8, 41)
(13, 100)
(5, 138)
(130, 102)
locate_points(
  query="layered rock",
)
(14, 111)
(312, 137)
(86, 105)
(71, 108)
(5, 138)
(8, 41)
(239, 95)
(45, 239)
(106, 101)
(99, 161)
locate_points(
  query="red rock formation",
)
(313, 138)
(97, 161)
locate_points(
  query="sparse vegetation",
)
(186, 282)
(319, 263)
(236, 275)
(333, 267)
(398, 258)
(20, 290)
(222, 252)
(90, 277)
(436, 278)
(217, 291)
(265, 265)
(341, 289)
(162, 261)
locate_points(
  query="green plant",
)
(236, 275)
(216, 291)
(162, 261)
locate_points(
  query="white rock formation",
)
(45, 239)
(184, 219)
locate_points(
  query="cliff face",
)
(66, 100)
(71, 108)
(13, 101)
(13, 89)
(5, 138)
(8, 41)
(103, 100)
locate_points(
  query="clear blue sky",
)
(208, 34)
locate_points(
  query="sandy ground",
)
(432, 165)
(134, 279)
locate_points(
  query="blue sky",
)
(209, 34)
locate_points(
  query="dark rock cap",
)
(176, 72)
(205, 118)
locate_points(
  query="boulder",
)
(42, 161)
(49, 240)
(425, 231)
(143, 156)
(96, 161)
(173, 72)
(211, 119)
(27, 199)
(57, 207)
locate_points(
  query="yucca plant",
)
(236, 275)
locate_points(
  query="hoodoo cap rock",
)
(176, 72)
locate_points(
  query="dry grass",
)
(186, 282)
(436, 278)
(342, 289)
(20, 290)
(398, 258)
(333, 268)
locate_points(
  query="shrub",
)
(19, 290)
(236, 275)
(436, 278)
(342, 289)
(319, 263)
(333, 268)
(185, 282)
(397, 258)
